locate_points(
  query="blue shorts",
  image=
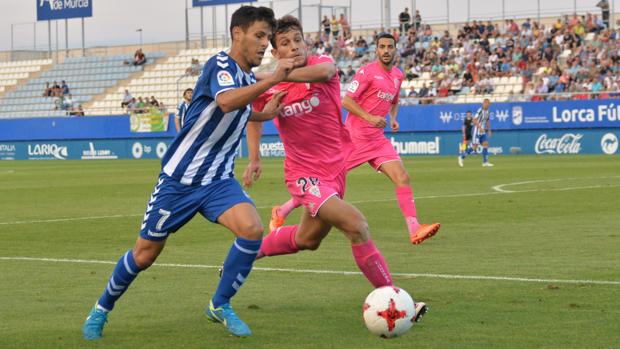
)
(173, 204)
(481, 138)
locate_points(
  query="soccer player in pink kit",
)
(314, 137)
(373, 94)
(315, 142)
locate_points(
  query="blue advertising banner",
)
(61, 9)
(92, 127)
(554, 142)
(197, 3)
(505, 116)
(514, 116)
(85, 150)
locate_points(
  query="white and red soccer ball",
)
(389, 311)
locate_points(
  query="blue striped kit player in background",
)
(480, 132)
(197, 172)
(179, 117)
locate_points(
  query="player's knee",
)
(251, 231)
(144, 258)
(308, 244)
(402, 178)
(357, 231)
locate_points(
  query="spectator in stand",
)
(153, 102)
(417, 20)
(141, 105)
(327, 27)
(404, 20)
(346, 27)
(347, 75)
(139, 58)
(127, 99)
(335, 27)
(56, 90)
(67, 102)
(48, 92)
(604, 6)
(65, 88)
(77, 111)
(179, 117)
(194, 68)
(133, 105)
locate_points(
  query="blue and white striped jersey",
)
(181, 111)
(482, 116)
(204, 151)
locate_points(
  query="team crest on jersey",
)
(353, 86)
(224, 78)
(396, 83)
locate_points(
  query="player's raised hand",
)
(275, 105)
(252, 173)
(377, 121)
(285, 65)
(394, 125)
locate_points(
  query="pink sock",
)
(371, 263)
(404, 196)
(278, 242)
(287, 207)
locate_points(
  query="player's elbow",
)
(225, 107)
(329, 72)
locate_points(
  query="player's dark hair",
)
(386, 36)
(245, 16)
(469, 111)
(285, 24)
(188, 90)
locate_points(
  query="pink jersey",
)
(375, 90)
(310, 126)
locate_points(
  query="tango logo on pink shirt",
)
(302, 107)
(388, 97)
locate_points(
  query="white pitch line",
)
(496, 192)
(500, 187)
(333, 272)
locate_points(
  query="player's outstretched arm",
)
(254, 169)
(240, 97)
(315, 73)
(353, 108)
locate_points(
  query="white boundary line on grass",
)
(333, 272)
(498, 189)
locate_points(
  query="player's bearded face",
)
(254, 42)
(291, 44)
(386, 51)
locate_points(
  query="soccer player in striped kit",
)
(480, 134)
(197, 171)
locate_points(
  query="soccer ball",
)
(389, 311)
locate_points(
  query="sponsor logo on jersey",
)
(224, 78)
(353, 86)
(300, 108)
(386, 96)
(567, 144)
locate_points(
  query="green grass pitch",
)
(528, 256)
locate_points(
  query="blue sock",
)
(124, 273)
(485, 155)
(469, 150)
(237, 266)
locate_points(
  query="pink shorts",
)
(313, 192)
(375, 152)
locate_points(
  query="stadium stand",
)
(86, 76)
(166, 81)
(12, 72)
